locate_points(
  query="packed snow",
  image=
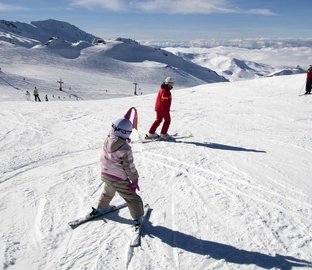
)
(233, 191)
(235, 195)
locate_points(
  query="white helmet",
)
(169, 81)
(122, 128)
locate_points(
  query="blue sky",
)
(171, 19)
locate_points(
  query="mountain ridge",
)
(42, 31)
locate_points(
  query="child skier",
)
(27, 95)
(118, 171)
(162, 108)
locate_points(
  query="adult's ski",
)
(170, 138)
(75, 223)
(305, 94)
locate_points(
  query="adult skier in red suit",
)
(162, 108)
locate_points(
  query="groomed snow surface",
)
(235, 195)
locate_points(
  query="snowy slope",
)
(236, 195)
(96, 72)
(138, 53)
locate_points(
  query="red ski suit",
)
(309, 74)
(309, 81)
(162, 108)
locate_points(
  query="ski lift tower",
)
(61, 83)
(135, 88)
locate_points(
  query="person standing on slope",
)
(162, 108)
(36, 94)
(27, 95)
(309, 81)
(118, 171)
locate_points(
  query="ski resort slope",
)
(94, 72)
(235, 195)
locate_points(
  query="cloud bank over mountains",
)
(158, 6)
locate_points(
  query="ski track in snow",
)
(234, 193)
(178, 172)
(214, 205)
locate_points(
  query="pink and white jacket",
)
(117, 159)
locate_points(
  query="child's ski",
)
(137, 229)
(75, 223)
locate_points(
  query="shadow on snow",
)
(217, 251)
(219, 146)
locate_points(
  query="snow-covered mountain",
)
(118, 64)
(28, 35)
(241, 63)
(230, 67)
(123, 62)
(289, 71)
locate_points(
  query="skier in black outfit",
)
(309, 81)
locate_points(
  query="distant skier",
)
(46, 98)
(36, 94)
(27, 95)
(162, 108)
(118, 171)
(309, 81)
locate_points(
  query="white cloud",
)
(8, 8)
(194, 6)
(265, 12)
(114, 5)
(172, 6)
(182, 6)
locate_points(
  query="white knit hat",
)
(169, 81)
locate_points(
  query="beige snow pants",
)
(134, 201)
